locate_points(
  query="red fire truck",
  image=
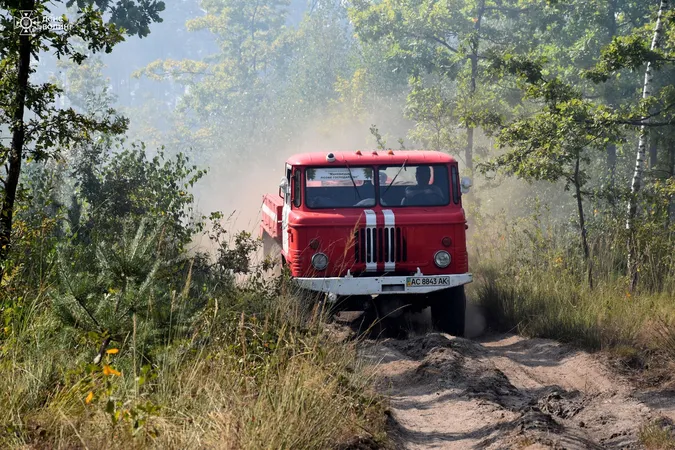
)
(380, 231)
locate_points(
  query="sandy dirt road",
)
(505, 391)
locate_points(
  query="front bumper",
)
(416, 284)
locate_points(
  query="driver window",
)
(296, 189)
(287, 198)
(414, 185)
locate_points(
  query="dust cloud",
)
(239, 197)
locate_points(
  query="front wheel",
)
(448, 310)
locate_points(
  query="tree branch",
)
(507, 10)
(639, 123)
(444, 44)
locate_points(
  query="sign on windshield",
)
(334, 187)
(340, 174)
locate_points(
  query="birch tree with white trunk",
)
(638, 173)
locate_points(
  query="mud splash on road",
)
(501, 392)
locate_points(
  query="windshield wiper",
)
(392, 181)
(353, 182)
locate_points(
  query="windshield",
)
(339, 187)
(416, 185)
(404, 185)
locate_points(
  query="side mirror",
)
(465, 185)
(283, 187)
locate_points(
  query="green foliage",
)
(546, 145)
(624, 52)
(381, 143)
(49, 130)
(208, 373)
(658, 434)
(209, 349)
(129, 185)
(449, 41)
(135, 18)
(433, 113)
(118, 293)
(230, 92)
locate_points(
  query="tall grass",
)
(531, 280)
(242, 380)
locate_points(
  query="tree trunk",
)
(582, 224)
(636, 184)
(653, 153)
(475, 44)
(611, 167)
(671, 215)
(469, 149)
(611, 161)
(610, 96)
(18, 139)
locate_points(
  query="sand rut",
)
(504, 392)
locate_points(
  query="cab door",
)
(286, 209)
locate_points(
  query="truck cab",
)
(379, 224)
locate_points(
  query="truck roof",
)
(394, 157)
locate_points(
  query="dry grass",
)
(534, 283)
(238, 382)
(658, 435)
(548, 305)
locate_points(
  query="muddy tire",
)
(448, 310)
(380, 323)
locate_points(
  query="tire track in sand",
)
(502, 392)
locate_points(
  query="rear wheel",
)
(448, 310)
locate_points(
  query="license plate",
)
(414, 282)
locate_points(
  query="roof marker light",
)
(358, 152)
(390, 152)
(375, 153)
(330, 157)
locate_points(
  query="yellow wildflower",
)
(107, 370)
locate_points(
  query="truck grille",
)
(380, 245)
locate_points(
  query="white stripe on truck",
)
(267, 210)
(390, 230)
(371, 229)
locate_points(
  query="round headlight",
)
(442, 259)
(320, 261)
